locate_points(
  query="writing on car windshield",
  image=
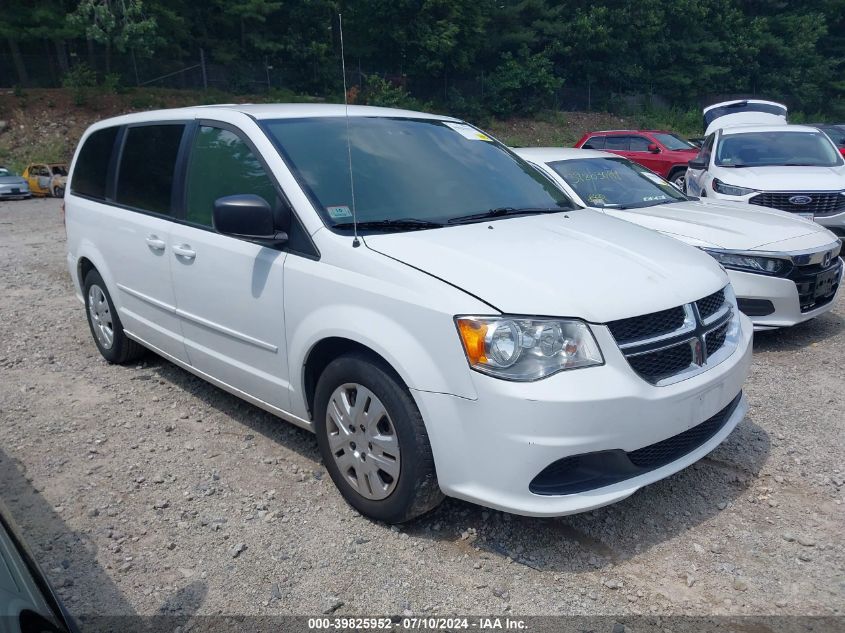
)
(408, 173)
(615, 183)
(767, 149)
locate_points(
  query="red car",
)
(660, 151)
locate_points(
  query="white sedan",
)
(784, 269)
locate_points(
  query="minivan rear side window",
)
(147, 165)
(92, 166)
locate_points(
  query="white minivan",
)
(437, 311)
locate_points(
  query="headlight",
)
(750, 263)
(523, 349)
(730, 190)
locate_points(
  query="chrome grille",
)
(703, 335)
(821, 202)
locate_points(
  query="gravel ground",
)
(144, 490)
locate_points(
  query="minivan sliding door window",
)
(147, 165)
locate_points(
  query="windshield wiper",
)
(397, 224)
(503, 212)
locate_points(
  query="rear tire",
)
(104, 323)
(373, 440)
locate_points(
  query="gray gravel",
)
(144, 490)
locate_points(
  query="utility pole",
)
(204, 74)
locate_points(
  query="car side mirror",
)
(695, 163)
(248, 217)
(654, 148)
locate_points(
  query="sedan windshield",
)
(423, 170)
(766, 149)
(670, 141)
(615, 183)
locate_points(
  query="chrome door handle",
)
(155, 243)
(184, 251)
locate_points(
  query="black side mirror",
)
(248, 217)
(697, 164)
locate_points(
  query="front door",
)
(229, 291)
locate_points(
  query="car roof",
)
(272, 111)
(631, 132)
(551, 154)
(741, 129)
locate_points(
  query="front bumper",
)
(490, 449)
(783, 295)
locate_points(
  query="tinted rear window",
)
(145, 178)
(92, 166)
(594, 142)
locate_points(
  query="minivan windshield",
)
(766, 149)
(615, 183)
(409, 173)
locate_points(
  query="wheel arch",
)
(329, 349)
(89, 258)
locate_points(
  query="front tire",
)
(104, 323)
(679, 179)
(373, 440)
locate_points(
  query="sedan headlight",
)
(749, 263)
(730, 190)
(525, 348)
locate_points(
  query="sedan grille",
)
(667, 346)
(820, 202)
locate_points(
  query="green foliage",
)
(684, 121)
(119, 23)
(80, 79)
(380, 92)
(524, 83)
(111, 84)
(470, 57)
(49, 149)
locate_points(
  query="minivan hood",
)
(727, 225)
(577, 264)
(12, 180)
(782, 178)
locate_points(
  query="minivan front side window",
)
(223, 165)
(421, 169)
(147, 164)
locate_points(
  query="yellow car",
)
(46, 179)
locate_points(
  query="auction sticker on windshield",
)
(467, 131)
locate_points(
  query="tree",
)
(120, 24)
